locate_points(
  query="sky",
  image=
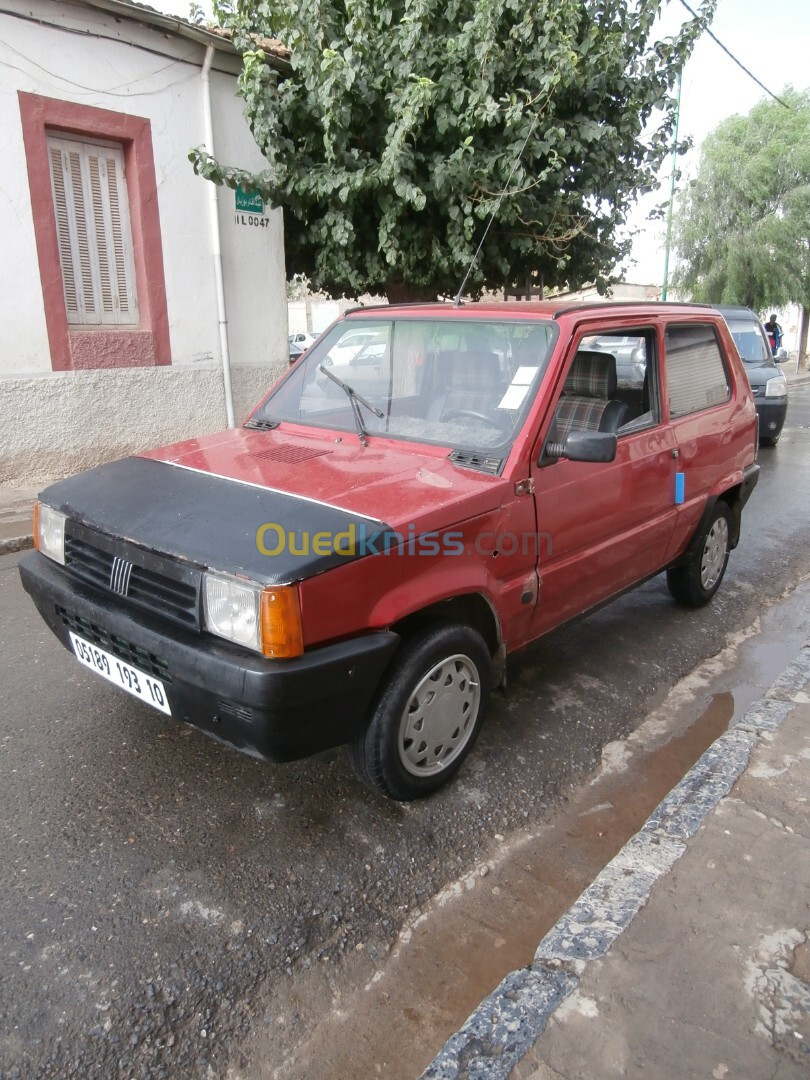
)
(771, 39)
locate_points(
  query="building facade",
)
(125, 287)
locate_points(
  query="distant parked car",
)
(296, 351)
(302, 339)
(356, 344)
(768, 384)
(630, 355)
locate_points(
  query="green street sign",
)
(250, 201)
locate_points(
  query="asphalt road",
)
(163, 897)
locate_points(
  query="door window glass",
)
(630, 353)
(696, 374)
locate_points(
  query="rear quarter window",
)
(697, 377)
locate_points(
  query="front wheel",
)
(696, 581)
(427, 715)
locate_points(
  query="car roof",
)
(549, 309)
(734, 310)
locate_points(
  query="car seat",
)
(588, 401)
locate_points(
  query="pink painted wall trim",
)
(118, 348)
(135, 134)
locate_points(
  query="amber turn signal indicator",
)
(36, 525)
(282, 635)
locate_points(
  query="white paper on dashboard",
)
(514, 397)
(523, 376)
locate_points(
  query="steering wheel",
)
(475, 415)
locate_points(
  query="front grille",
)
(156, 592)
(88, 562)
(118, 646)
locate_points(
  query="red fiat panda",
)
(428, 490)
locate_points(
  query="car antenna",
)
(496, 208)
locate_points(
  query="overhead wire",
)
(731, 55)
(113, 91)
(107, 37)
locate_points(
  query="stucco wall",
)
(115, 75)
(53, 424)
(60, 424)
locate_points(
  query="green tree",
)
(742, 228)
(403, 120)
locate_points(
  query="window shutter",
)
(97, 202)
(119, 233)
(62, 211)
(93, 231)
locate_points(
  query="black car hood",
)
(211, 521)
(759, 374)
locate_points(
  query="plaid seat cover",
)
(589, 386)
(578, 414)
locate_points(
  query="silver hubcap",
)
(440, 717)
(714, 553)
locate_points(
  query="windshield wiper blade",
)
(355, 400)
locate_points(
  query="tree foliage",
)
(403, 120)
(742, 229)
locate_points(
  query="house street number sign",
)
(249, 209)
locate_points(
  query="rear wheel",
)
(697, 580)
(428, 714)
(769, 440)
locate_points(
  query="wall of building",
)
(47, 418)
(113, 412)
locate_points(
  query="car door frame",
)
(578, 570)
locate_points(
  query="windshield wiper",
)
(354, 398)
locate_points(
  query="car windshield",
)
(751, 345)
(461, 383)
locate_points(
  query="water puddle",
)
(489, 923)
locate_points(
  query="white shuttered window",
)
(93, 231)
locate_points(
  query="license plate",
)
(131, 679)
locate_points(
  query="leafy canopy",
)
(402, 121)
(742, 229)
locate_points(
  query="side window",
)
(696, 373)
(628, 358)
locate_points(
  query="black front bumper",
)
(771, 413)
(280, 710)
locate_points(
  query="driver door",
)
(606, 526)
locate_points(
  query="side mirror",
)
(597, 446)
(780, 354)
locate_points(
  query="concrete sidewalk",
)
(689, 956)
(16, 516)
(788, 369)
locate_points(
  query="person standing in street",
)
(774, 332)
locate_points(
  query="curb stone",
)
(16, 543)
(512, 1018)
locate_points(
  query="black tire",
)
(770, 440)
(383, 756)
(696, 581)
